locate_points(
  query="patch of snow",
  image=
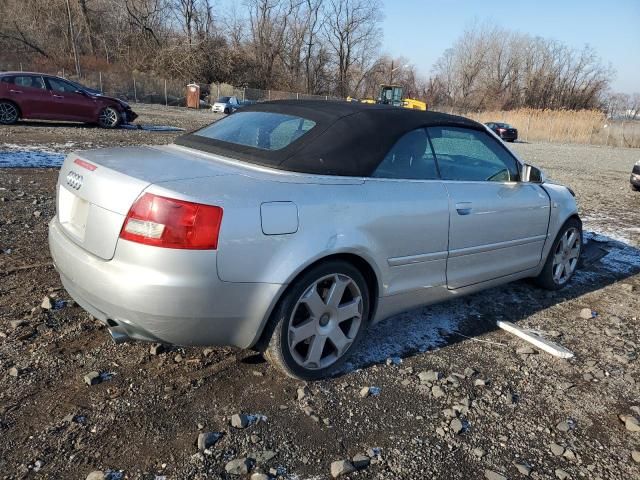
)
(151, 128)
(32, 156)
(29, 158)
(427, 328)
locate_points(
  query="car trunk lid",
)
(96, 189)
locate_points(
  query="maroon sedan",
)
(47, 97)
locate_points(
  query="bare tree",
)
(353, 32)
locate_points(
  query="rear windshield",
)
(262, 130)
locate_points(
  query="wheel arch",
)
(362, 264)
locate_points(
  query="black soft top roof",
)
(349, 139)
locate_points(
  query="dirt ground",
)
(495, 408)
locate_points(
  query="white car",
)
(226, 105)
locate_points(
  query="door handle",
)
(57, 96)
(15, 91)
(464, 208)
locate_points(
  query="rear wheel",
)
(9, 113)
(318, 321)
(109, 118)
(635, 188)
(563, 258)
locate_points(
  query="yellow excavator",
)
(392, 95)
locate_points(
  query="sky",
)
(421, 30)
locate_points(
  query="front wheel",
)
(8, 113)
(563, 257)
(318, 321)
(109, 118)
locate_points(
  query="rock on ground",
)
(342, 467)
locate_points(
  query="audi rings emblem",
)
(74, 180)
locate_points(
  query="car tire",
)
(309, 309)
(226, 111)
(9, 112)
(109, 118)
(563, 257)
(635, 188)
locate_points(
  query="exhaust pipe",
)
(119, 336)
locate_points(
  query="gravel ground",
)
(494, 409)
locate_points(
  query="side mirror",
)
(531, 174)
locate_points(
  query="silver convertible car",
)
(290, 227)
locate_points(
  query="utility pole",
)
(73, 40)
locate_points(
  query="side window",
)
(410, 158)
(61, 86)
(6, 79)
(288, 132)
(471, 155)
(29, 81)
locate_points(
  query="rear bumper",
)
(163, 295)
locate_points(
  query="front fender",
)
(563, 207)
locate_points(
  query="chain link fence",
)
(141, 87)
(563, 126)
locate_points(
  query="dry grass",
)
(566, 126)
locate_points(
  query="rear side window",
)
(58, 85)
(410, 158)
(6, 79)
(29, 81)
(263, 130)
(471, 155)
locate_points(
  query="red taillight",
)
(166, 222)
(85, 164)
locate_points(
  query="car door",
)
(412, 215)
(69, 103)
(497, 224)
(30, 94)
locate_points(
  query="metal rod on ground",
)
(608, 133)
(243, 89)
(536, 340)
(100, 76)
(21, 66)
(526, 139)
(166, 102)
(135, 93)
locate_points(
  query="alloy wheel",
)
(108, 117)
(325, 321)
(8, 113)
(565, 258)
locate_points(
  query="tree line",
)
(327, 47)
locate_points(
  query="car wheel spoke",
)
(349, 310)
(314, 355)
(339, 340)
(302, 332)
(559, 269)
(336, 292)
(314, 302)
